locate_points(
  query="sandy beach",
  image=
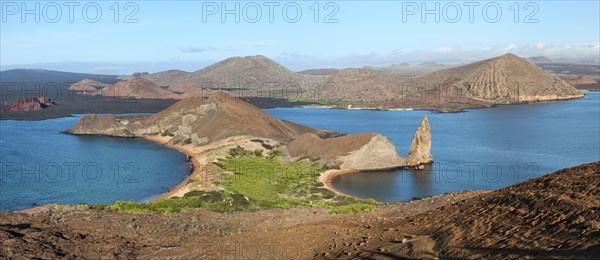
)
(328, 178)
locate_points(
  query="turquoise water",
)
(39, 165)
(480, 149)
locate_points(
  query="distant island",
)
(507, 79)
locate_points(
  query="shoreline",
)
(328, 176)
(193, 159)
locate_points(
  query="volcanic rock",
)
(364, 151)
(420, 149)
(30, 104)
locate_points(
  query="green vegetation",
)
(239, 151)
(167, 133)
(128, 133)
(219, 201)
(267, 146)
(187, 141)
(194, 181)
(274, 154)
(257, 183)
(257, 141)
(263, 144)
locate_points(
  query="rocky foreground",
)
(555, 216)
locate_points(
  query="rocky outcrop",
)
(420, 149)
(110, 125)
(29, 104)
(366, 151)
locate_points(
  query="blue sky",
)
(172, 35)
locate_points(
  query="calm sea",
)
(40, 165)
(480, 149)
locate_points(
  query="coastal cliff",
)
(367, 151)
(355, 151)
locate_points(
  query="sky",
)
(110, 37)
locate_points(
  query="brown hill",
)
(501, 80)
(198, 119)
(362, 85)
(186, 87)
(251, 72)
(164, 78)
(504, 79)
(88, 86)
(319, 72)
(582, 80)
(137, 88)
